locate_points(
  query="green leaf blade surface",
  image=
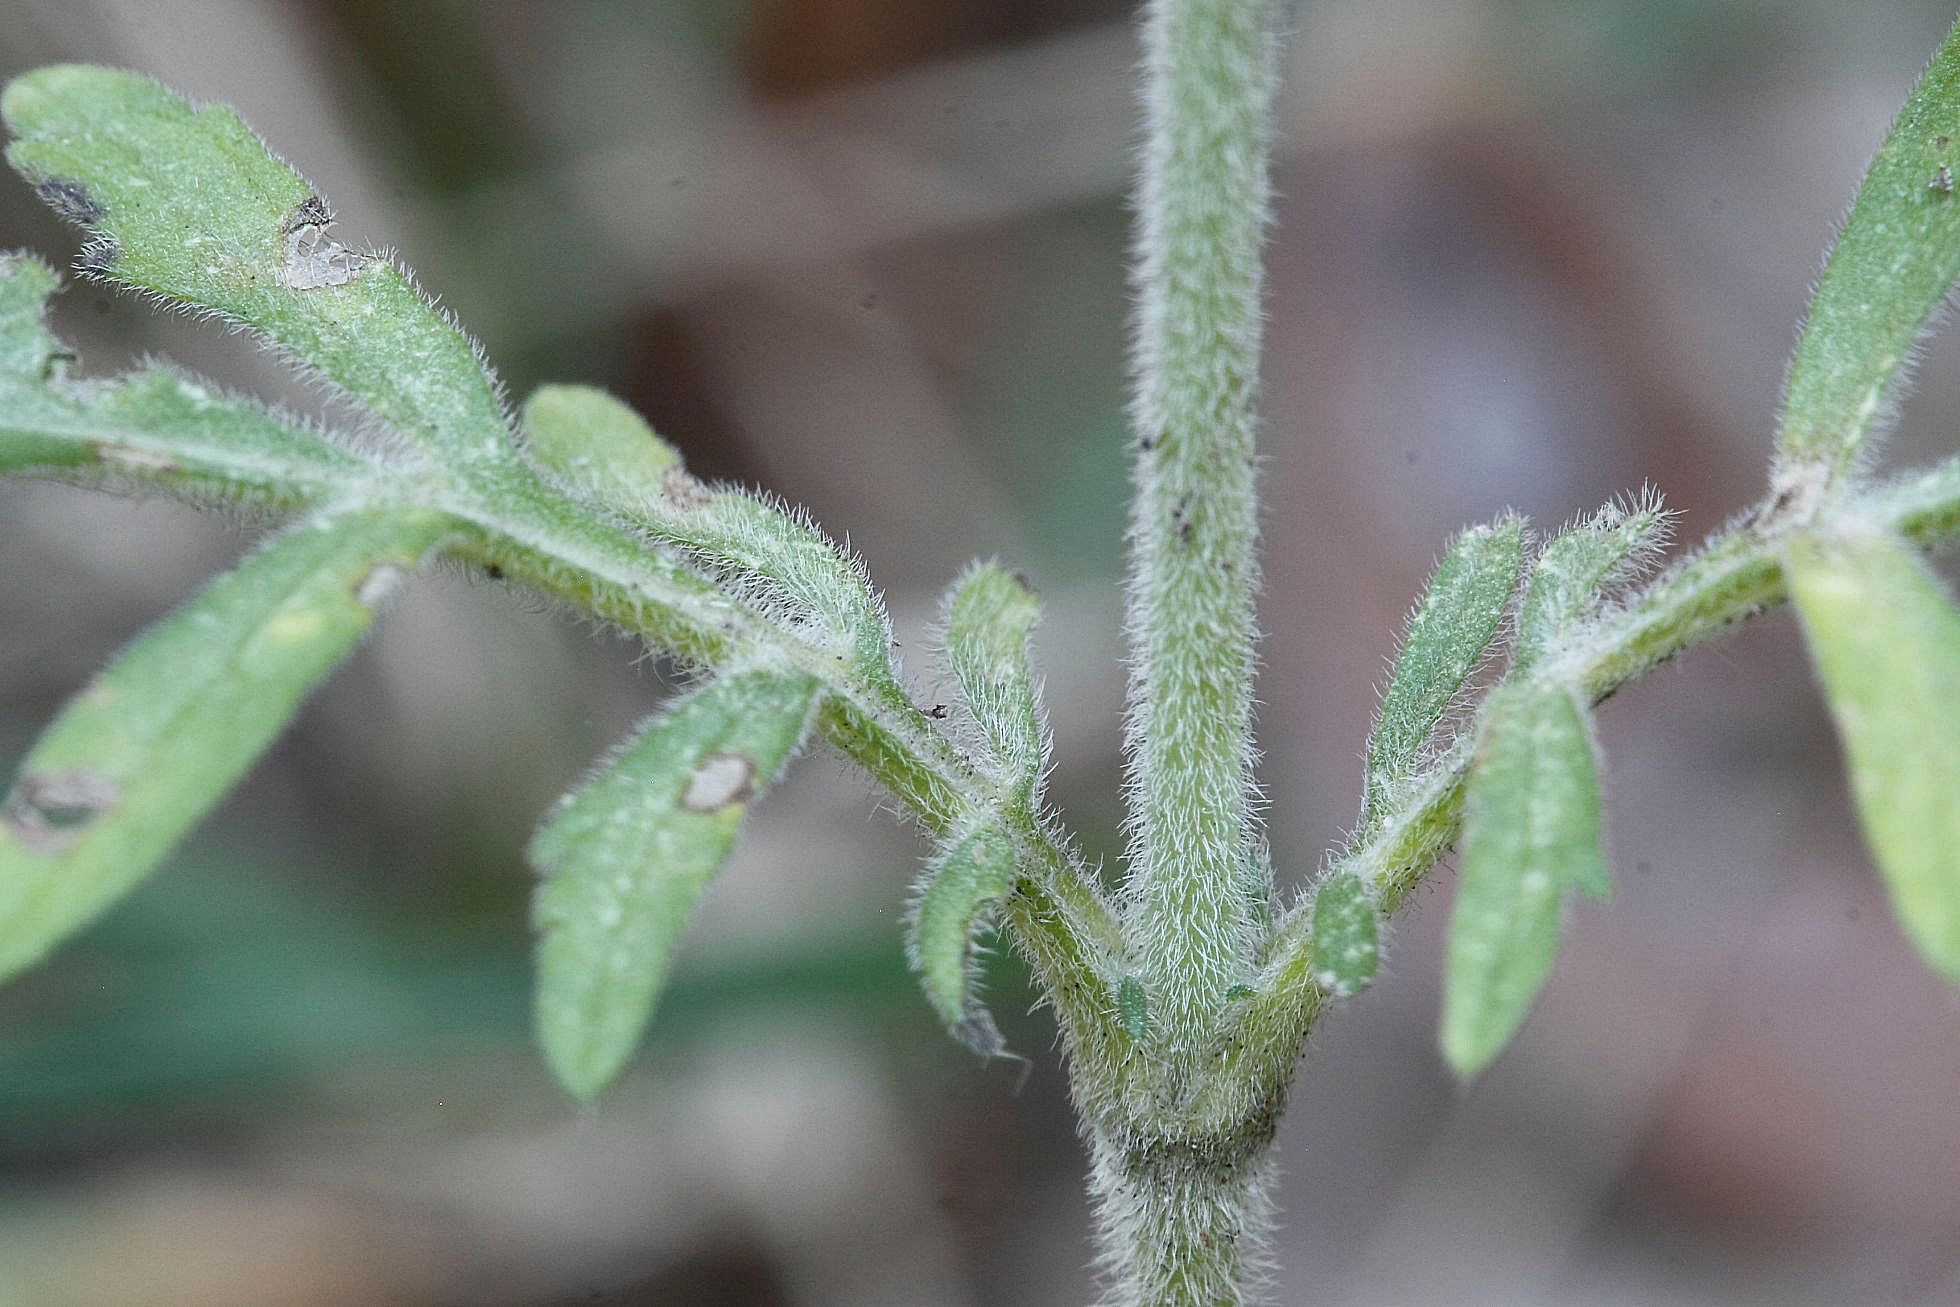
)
(597, 445)
(1133, 1008)
(1453, 626)
(1578, 568)
(1531, 832)
(772, 557)
(155, 425)
(1346, 938)
(1893, 263)
(160, 736)
(959, 896)
(628, 855)
(989, 619)
(1885, 640)
(186, 202)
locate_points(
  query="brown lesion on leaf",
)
(50, 810)
(56, 366)
(146, 460)
(309, 212)
(313, 259)
(71, 200)
(98, 257)
(1797, 491)
(721, 779)
(682, 491)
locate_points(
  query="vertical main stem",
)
(1197, 893)
(1181, 1201)
(1183, 1223)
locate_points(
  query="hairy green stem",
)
(1178, 1220)
(1184, 1219)
(1058, 914)
(1197, 893)
(1736, 575)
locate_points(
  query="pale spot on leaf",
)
(723, 779)
(48, 811)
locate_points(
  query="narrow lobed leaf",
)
(1346, 940)
(1531, 831)
(1898, 254)
(628, 854)
(1886, 643)
(989, 618)
(1578, 568)
(774, 558)
(597, 445)
(185, 202)
(959, 895)
(142, 753)
(1453, 626)
(154, 425)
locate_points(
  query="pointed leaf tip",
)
(1531, 832)
(1578, 568)
(989, 617)
(1885, 640)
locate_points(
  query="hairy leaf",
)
(1454, 624)
(1895, 259)
(988, 621)
(187, 203)
(1346, 943)
(628, 854)
(958, 896)
(1531, 832)
(774, 557)
(1579, 566)
(1886, 642)
(157, 738)
(597, 445)
(1133, 1008)
(167, 428)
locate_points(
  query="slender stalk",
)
(1197, 893)
(1181, 1205)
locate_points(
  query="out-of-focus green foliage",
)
(1886, 640)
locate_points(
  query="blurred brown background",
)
(870, 253)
